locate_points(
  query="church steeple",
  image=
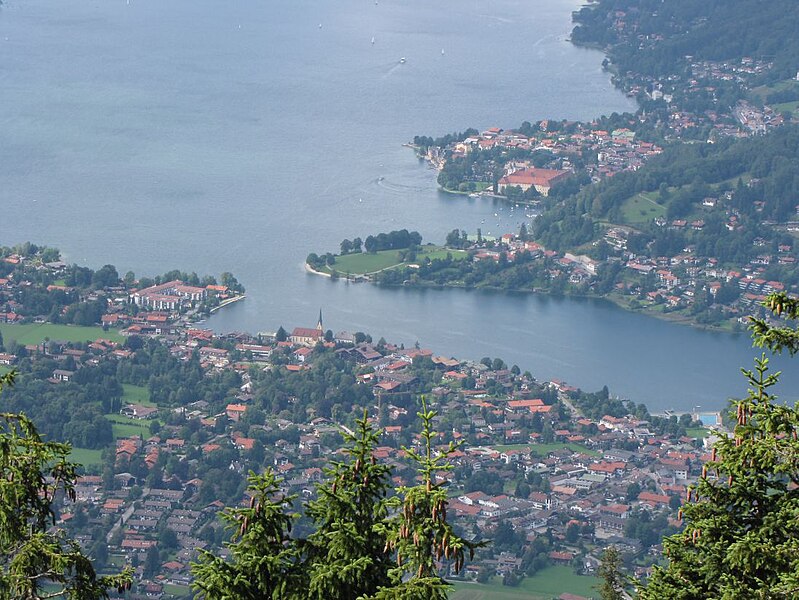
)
(319, 322)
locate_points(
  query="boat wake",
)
(397, 188)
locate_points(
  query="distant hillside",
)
(755, 180)
(656, 36)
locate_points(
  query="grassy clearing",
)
(117, 561)
(178, 591)
(4, 369)
(545, 585)
(87, 457)
(128, 427)
(442, 253)
(35, 333)
(364, 263)
(764, 90)
(136, 394)
(787, 107)
(697, 432)
(642, 208)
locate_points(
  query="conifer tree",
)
(613, 583)
(741, 538)
(420, 534)
(346, 554)
(34, 555)
(264, 561)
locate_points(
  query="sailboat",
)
(373, 39)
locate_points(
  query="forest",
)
(753, 28)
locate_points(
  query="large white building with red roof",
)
(172, 295)
(541, 179)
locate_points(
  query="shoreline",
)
(309, 269)
(668, 317)
(227, 302)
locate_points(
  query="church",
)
(305, 336)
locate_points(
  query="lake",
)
(241, 136)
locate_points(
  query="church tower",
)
(319, 322)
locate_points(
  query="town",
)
(692, 234)
(548, 472)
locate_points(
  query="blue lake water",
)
(241, 136)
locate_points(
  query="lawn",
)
(363, 263)
(86, 457)
(128, 427)
(4, 369)
(35, 333)
(442, 253)
(697, 432)
(642, 208)
(116, 561)
(545, 585)
(178, 591)
(136, 394)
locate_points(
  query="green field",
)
(136, 394)
(35, 333)
(364, 263)
(765, 90)
(547, 584)
(128, 427)
(787, 107)
(4, 369)
(697, 432)
(177, 591)
(86, 457)
(642, 208)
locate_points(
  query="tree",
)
(741, 526)
(453, 239)
(168, 538)
(420, 533)
(281, 335)
(33, 553)
(612, 587)
(572, 533)
(228, 280)
(347, 552)
(152, 562)
(263, 557)
(633, 489)
(105, 276)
